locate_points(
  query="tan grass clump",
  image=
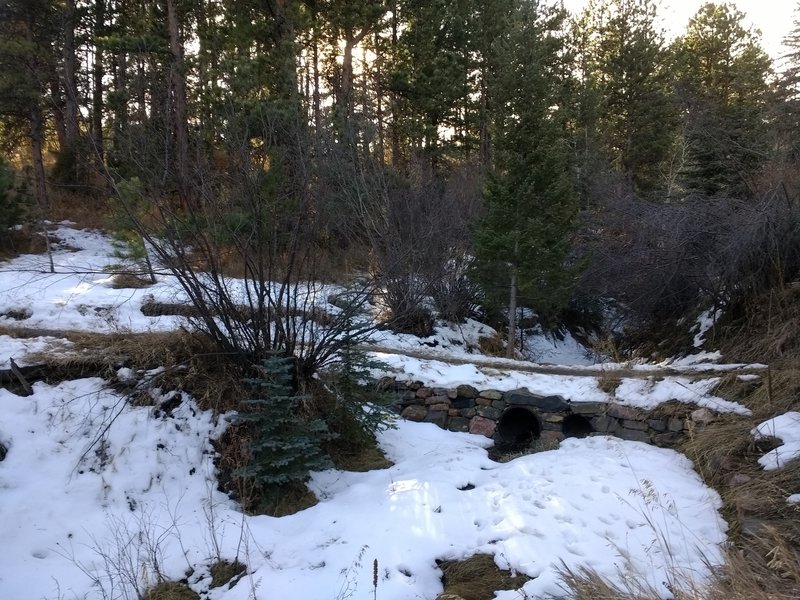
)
(170, 590)
(477, 578)
(224, 571)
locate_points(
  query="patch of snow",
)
(649, 393)
(705, 321)
(20, 349)
(149, 489)
(785, 427)
(793, 499)
(748, 377)
(566, 351)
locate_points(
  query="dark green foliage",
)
(11, 203)
(359, 409)
(626, 100)
(286, 442)
(722, 82)
(522, 243)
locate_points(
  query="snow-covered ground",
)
(97, 497)
(785, 427)
(79, 507)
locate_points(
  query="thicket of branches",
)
(275, 140)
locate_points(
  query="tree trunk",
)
(379, 99)
(485, 143)
(71, 128)
(37, 138)
(315, 94)
(512, 314)
(345, 108)
(178, 85)
(97, 80)
(395, 129)
(58, 112)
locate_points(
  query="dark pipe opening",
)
(517, 428)
(576, 426)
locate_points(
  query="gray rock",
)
(668, 438)
(634, 435)
(675, 424)
(414, 413)
(703, 416)
(437, 400)
(437, 417)
(637, 425)
(489, 412)
(466, 391)
(623, 412)
(545, 403)
(458, 424)
(491, 394)
(604, 424)
(462, 402)
(589, 408)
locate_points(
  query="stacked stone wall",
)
(496, 414)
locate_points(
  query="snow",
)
(97, 496)
(21, 348)
(793, 499)
(646, 393)
(705, 321)
(70, 507)
(79, 295)
(785, 427)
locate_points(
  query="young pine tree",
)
(285, 444)
(522, 242)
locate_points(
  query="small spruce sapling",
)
(358, 404)
(285, 445)
(128, 243)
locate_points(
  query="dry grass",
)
(493, 345)
(477, 578)
(170, 590)
(763, 560)
(360, 459)
(130, 281)
(608, 383)
(223, 571)
(86, 211)
(766, 329)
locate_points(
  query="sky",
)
(773, 17)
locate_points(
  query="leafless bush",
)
(661, 259)
(262, 213)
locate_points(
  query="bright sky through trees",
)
(772, 17)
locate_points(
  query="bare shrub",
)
(660, 260)
(263, 209)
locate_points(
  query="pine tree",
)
(286, 444)
(521, 244)
(722, 80)
(635, 115)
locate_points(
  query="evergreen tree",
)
(522, 242)
(625, 57)
(286, 443)
(722, 81)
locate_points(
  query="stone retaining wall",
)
(517, 416)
